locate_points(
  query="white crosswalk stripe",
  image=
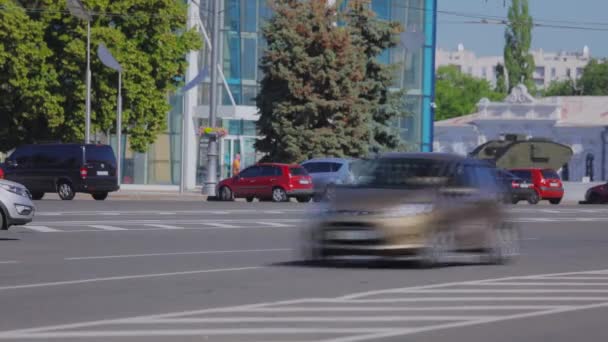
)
(105, 227)
(367, 316)
(43, 229)
(157, 225)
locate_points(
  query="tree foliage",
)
(147, 37)
(561, 88)
(593, 82)
(457, 94)
(518, 38)
(323, 93)
(501, 82)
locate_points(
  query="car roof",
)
(66, 144)
(328, 160)
(531, 169)
(277, 164)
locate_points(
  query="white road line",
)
(192, 332)
(478, 299)
(463, 291)
(274, 224)
(403, 308)
(138, 276)
(166, 213)
(309, 319)
(542, 284)
(104, 227)
(177, 253)
(163, 226)
(9, 262)
(219, 225)
(43, 229)
(573, 278)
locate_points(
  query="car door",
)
(19, 166)
(268, 179)
(245, 181)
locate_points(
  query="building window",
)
(566, 172)
(470, 71)
(568, 73)
(553, 73)
(589, 166)
(579, 72)
(540, 72)
(484, 72)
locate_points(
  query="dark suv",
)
(63, 168)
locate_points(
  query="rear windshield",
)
(322, 167)
(401, 172)
(298, 171)
(100, 154)
(550, 174)
(523, 174)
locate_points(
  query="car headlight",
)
(21, 191)
(409, 210)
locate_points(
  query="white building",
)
(550, 66)
(580, 122)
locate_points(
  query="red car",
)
(597, 194)
(277, 182)
(547, 184)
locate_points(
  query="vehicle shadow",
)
(9, 239)
(370, 264)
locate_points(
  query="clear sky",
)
(488, 39)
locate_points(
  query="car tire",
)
(3, 221)
(303, 199)
(594, 199)
(37, 196)
(555, 201)
(65, 191)
(249, 199)
(279, 195)
(514, 201)
(226, 194)
(439, 245)
(503, 244)
(534, 198)
(100, 196)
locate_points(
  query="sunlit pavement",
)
(190, 271)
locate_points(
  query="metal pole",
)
(88, 81)
(211, 181)
(182, 178)
(119, 130)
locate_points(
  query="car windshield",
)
(550, 174)
(401, 173)
(298, 171)
(523, 174)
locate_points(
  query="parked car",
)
(597, 194)
(428, 206)
(264, 181)
(63, 168)
(16, 207)
(547, 183)
(326, 173)
(515, 189)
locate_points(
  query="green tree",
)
(310, 102)
(501, 82)
(561, 88)
(518, 38)
(28, 105)
(457, 94)
(149, 39)
(594, 81)
(376, 36)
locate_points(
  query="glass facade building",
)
(242, 47)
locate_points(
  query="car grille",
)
(352, 233)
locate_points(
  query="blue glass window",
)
(249, 13)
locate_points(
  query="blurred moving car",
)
(597, 194)
(515, 189)
(16, 207)
(547, 183)
(421, 205)
(326, 173)
(277, 182)
(63, 168)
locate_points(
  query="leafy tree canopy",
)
(457, 94)
(518, 38)
(593, 82)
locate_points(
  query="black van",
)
(63, 168)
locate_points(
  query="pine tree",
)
(518, 38)
(310, 102)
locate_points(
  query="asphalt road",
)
(192, 271)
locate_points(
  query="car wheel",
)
(439, 245)
(555, 201)
(279, 195)
(100, 196)
(534, 198)
(226, 194)
(503, 244)
(303, 199)
(65, 191)
(249, 199)
(3, 221)
(37, 195)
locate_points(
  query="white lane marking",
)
(219, 225)
(191, 332)
(472, 282)
(399, 332)
(542, 284)
(481, 290)
(137, 276)
(43, 229)
(478, 299)
(163, 226)
(105, 227)
(9, 262)
(572, 278)
(146, 221)
(177, 253)
(166, 213)
(273, 224)
(309, 319)
(109, 213)
(348, 308)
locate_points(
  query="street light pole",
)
(212, 152)
(88, 98)
(119, 130)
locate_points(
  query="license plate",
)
(554, 184)
(102, 173)
(352, 235)
(526, 186)
(304, 181)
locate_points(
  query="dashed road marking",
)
(163, 226)
(43, 229)
(123, 256)
(105, 227)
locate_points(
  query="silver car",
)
(16, 207)
(327, 173)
